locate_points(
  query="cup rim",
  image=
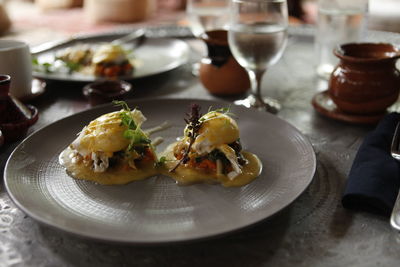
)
(340, 51)
(7, 79)
(9, 45)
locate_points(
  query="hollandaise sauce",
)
(187, 176)
(112, 176)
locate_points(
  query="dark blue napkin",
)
(374, 178)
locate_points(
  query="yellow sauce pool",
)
(112, 176)
(182, 175)
(187, 176)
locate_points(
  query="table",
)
(314, 231)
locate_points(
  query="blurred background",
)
(34, 19)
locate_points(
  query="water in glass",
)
(257, 38)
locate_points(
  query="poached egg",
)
(217, 131)
(104, 136)
(109, 53)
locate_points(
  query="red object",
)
(15, 117)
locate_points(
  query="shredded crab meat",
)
(100, 162)
(231, 156)
(232, 175)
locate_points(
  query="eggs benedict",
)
(210, 151)
(106, 60)
(110, 61)
(112, 149)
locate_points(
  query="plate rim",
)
(97, 236)
(170, 66)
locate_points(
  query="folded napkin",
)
(374, 178)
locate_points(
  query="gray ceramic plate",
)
(157, 210)
(154, 56)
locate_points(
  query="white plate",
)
(154, 56)
(157, 210)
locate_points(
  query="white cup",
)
(16, 61)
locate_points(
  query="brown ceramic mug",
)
(366, 80)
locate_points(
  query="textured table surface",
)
(314, 231)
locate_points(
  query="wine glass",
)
(257, 38)
(207, 15)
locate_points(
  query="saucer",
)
(38, 88)
(325, 106)
(13, 131)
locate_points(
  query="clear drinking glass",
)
(257, 38)
(206, 15)
(339, 21)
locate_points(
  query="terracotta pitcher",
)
(366, 80)
(219, 71)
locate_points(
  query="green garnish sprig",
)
(193, 127)
(134, 133)
(72, 66)
(49, 67)
(45, 66)
(225, 110)
(161, 161)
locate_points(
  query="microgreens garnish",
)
(221, 110)
(45, 66)
(72, 66)
(134, 133)
(136, 137)
(35, 61)
(193, 127)
(226, 110)
(161, 161)
(48, 67)
(123, 104)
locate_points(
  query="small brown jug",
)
(366, 80)
(219, 71)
